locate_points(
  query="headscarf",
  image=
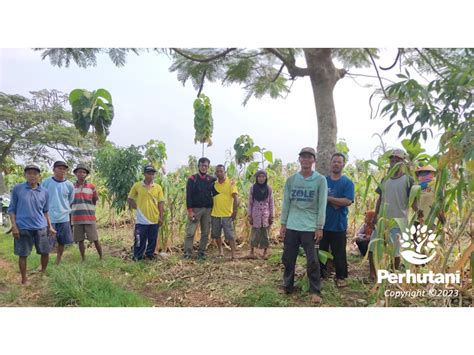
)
(424, 179)
(260, 192)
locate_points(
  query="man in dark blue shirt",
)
(340, 196)
(30, 219)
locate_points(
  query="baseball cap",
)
(32, 167)
(398, 153)
(149, 169)
(81, 166)
(60, 163)
(308, 150)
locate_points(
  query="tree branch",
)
(289, 63)
(279, 72)
(202, 82)
(429, 63)
(204, 60)
(377, 71)
(395, 62)
(371, 76)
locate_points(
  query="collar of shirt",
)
(145, 185)
(37, 188)
(77, 184)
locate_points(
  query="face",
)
(203, 167)
(60, 172)
(261, 178)
(32, 176)
(81, 174)
(422, 173)
(220, 173)
(337, 164)
(306, 160)
(150, 176)
(395, 160)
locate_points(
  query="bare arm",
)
(132, 203)
(377, 209)
(235, 206)
(15, 230)
(161, 208)
(339, 201)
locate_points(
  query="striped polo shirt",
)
(83, 206)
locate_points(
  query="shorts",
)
(219, 223)
(259, 238)
(83, 231)
(395, 234)
(63, 234)
(24, 245)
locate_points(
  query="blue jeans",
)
(145, 239)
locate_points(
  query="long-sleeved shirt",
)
(304, 202)
(261, 211)
(199, 191)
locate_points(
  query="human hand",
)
(16, 232)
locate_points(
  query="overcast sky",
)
(150, 103)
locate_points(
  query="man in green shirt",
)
(302, 219)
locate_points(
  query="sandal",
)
(316, 299)
(341, 283)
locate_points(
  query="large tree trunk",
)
(324, 76)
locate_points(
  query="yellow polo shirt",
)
(223, 201)
(147, 202)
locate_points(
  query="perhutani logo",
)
(419, 246)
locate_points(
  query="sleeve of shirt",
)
(349, 190)
(133, 192)
(46, 203)
(285, 208)
(234, 188)
(322, 202)
(13, 201)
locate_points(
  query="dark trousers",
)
(337, 241)
(291, 244)
(363, 246)
(146, 236)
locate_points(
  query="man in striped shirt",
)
(83, 211)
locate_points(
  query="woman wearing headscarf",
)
(260, 213)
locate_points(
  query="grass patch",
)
(9, 296)
(75, 285)
(264, 295)
(331, 294)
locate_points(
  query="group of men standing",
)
(314, 214)
(42, 214)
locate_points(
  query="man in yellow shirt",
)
(147, 198)
(224, 210)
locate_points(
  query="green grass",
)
(77, 285)
(10, 295)
(263, 295)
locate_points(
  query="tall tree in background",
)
(38, 129)
(267, 71)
